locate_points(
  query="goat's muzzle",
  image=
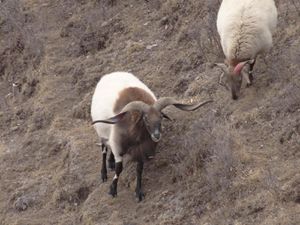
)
(155, 136)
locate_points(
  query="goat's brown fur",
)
(132, 94)
(134, 137)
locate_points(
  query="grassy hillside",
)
(231, 162)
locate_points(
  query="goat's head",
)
(234, 75)
(151, 115)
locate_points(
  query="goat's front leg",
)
(139, 171)
(118, 169)
(103, 168)
(251, 78)
(246, 77)
(111, 161)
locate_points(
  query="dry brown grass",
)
(231, 162)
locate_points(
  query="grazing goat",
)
(245, 28)
(127, 118)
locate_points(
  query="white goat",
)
(245, 28)
(123, 100)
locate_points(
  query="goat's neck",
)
(139, 132)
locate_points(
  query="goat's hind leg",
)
(103, 168)
(250, 76)
(246, 77)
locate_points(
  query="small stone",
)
(105, 23)
(164, 193)
(22, 203)
(14, 128)
(149, 47)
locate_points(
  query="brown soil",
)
(231, 162)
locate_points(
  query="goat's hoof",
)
(113, 191)
(104, 179)
(104, 176)
(249, 84)
(111, 165)
(140, 195)
(235, 97)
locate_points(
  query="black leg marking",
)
(234, 95)
(103, 169)
(139, 171)
(111, 161)
(114, 184)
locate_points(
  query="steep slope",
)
(232, 162)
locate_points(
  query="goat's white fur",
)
(103, 102)
(245, 27)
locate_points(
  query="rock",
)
(22, 203)
(149, 47)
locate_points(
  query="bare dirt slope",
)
(231, 162)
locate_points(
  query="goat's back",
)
(106, 95)
(246, 27)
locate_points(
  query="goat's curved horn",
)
(136, 105)
(112, 120)
(161, 103)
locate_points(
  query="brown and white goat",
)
(127, 117)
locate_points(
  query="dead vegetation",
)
(230, 163)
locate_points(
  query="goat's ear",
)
(112, 120)
(166, 116)
(222, 66)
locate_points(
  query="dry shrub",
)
(20, 49)
(283, 108)
(91, 32)
(82, 109)
(289, 100)
(40, 119)
(198, 142)
(196, 32)
(221, 166)
(271, 182)
(202, 31)
(208, 152)
(173, 11)
(171, 6)
(206, 164)
(282, 190)
(70, 196)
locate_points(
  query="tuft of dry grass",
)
(207, 154)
